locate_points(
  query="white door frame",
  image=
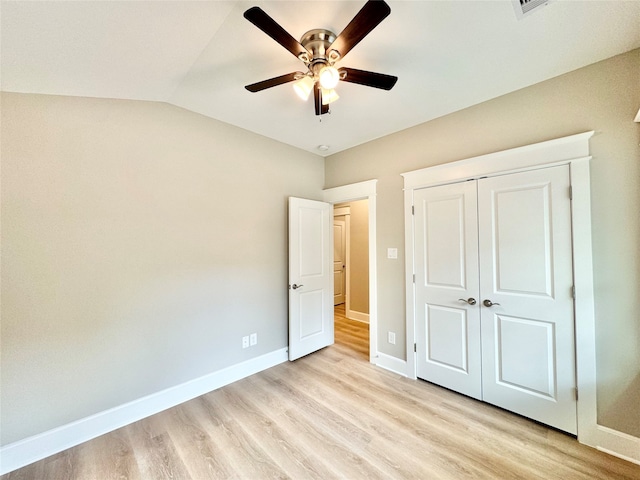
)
(573, 151)
(360, 191)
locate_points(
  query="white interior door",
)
(446, 287)
(310, 276)
(502, 244)
(339, 260)
(528, 342)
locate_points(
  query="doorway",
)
(351, 193)
(351, 275)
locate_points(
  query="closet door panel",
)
(446, 266)
(526, 279)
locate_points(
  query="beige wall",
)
(140, 242)
(359, 260)
(603, 97)
(128, 237)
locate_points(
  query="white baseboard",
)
(37, 447)
(358, 316)
(392, 364)
(619, 444)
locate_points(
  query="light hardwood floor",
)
(351, 334)
(332, 415)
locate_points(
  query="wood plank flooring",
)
(351, 333)
(331, 415)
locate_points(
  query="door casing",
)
(573, 151)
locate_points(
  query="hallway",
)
(351, 333)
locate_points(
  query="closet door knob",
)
(470, 300)
(489, 303)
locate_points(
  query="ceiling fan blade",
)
(274, 82)
(368, 18)
(370, 79)
(268, 25)
(317, 100)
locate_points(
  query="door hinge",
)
(576, 392)
(573, 291)
(415, 347)
(414, 278)
(570, 192)
(413, 210)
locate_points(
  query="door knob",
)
(489, 303)
(470, 300)
(295, 287)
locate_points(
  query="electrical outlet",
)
(245, 342)
(253, 339)
(391, 337)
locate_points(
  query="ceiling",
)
(198, 55)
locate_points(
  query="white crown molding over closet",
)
(574, 152)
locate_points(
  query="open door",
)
(310, 276)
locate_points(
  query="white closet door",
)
(528, 348)
(446, 266)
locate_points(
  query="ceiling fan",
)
(320, 50)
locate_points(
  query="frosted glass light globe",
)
(329, 77)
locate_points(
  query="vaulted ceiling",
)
(199, 55)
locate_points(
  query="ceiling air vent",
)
(526, 7)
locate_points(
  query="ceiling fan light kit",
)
(319, 50)
(304, 87)
(328, 77)
(329, 96)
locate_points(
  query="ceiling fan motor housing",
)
(317, 42)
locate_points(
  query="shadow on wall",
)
(622, 409)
